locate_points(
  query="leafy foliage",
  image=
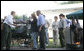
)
(21, 17)
(17, 17)
(72, 2)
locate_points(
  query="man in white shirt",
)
(55, 31)
(6, 36)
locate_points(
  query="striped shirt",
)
(62, 23)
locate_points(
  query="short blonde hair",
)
(33, 15)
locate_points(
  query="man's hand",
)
(39, 29)
(15, 24)
(63, 29)
(56, 30)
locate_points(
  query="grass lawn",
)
(51, 44)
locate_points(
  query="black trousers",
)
(42, 37)
(62, 37)
(6, 37)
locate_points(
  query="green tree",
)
(17, 17)
(71, 2)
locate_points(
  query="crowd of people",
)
(39, 27)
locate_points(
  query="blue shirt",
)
(41, 20)
(67, 23)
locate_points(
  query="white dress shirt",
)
(9, 21)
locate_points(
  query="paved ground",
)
(25, 48)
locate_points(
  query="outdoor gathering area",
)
(41, 25)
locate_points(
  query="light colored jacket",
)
(55, 25)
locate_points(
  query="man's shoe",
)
(41, 49)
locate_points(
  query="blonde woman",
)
(34, 30)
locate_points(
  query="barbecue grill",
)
(22, 31)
